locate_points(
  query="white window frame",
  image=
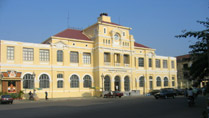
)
(10, 52)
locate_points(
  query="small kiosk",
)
(10, 81)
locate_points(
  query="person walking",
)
(30, 95)
(46, 95)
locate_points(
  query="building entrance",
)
(117, 83)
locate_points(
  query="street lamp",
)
(102, 76)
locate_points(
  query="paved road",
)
(126, 107)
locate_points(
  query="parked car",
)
(153, 92)
(164, 93)
(6, 99)
(180, 91)
(113, 94)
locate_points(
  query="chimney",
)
(104, 17)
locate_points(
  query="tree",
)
(200, 51)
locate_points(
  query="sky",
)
(154, 23)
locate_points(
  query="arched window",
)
(107, 83)
(165, 81)
(44, 81)
(59, 80)
(127, 83)
(28, 81)
(74, 81)
(141, 81)
(59, 56)
(117, 83)
(87, 81)
(150, 83)
(158, 81)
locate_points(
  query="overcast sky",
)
(154, 23)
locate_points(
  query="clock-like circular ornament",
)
(116, 36)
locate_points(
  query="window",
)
(106, 57)
(28, 81)
(74, 57)
(141, 81)
(105, 30)
(157, 62)
(28, 54)
(150, 83)
(141, 62)
(86, 58)
(127, 83)
(150, 62)
(124, 33)
(59, 80)
(44, 55)
(165, 64)
(165, 81)
(126, 59)
(10, 53)
(158, 81)
(87, 81)
(74, 81)
(185, 66)
(44, 81)
(117, 58)
(108, 41)
(60, 84)
(107, 83)
(173, 81)
(59, 56)
(172, 64)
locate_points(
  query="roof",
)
(72, 33)
(110, 23)
(140, 45)
(183, 56)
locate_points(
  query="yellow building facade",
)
(103, 57)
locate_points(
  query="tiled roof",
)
(72, 33)
(140, 45)
(110, 23)
(183, 56)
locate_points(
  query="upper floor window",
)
(105, 30)
(117, 58)
(74, 57)
(87, 58)
(28, 54)
(172, 64)
(150, 62)
(141, 62)
(44, 55)
(106, 57)
(124, 33)
(10, 53)
(165, 64)
(126, 59)
(59, 56)
(157, 63)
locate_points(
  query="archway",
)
(117, 83)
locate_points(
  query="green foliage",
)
(199, 51)
(14, 95)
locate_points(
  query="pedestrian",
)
(46, 95)
(30, 95)
(185, 92)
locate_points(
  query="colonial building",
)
(74, 63)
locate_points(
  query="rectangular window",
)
(157, 63)
(10, 53)
(126, 59)
(124, 33)
(173, 81)
(28, 54)
(106, 57)
(165, 64)
(117, 58)
(60, 84)
(87, 58)
(74, 57)
(105, 30)
(141, 62)
(59, 56)
(150, 62)
(172, 64)
(44, 55)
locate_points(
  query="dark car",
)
(6, 99)
(153, 92)
(113, 94)
(164, 93)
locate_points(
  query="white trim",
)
(25, 74)
(46, 74)
(78, 78)
(88, 75)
